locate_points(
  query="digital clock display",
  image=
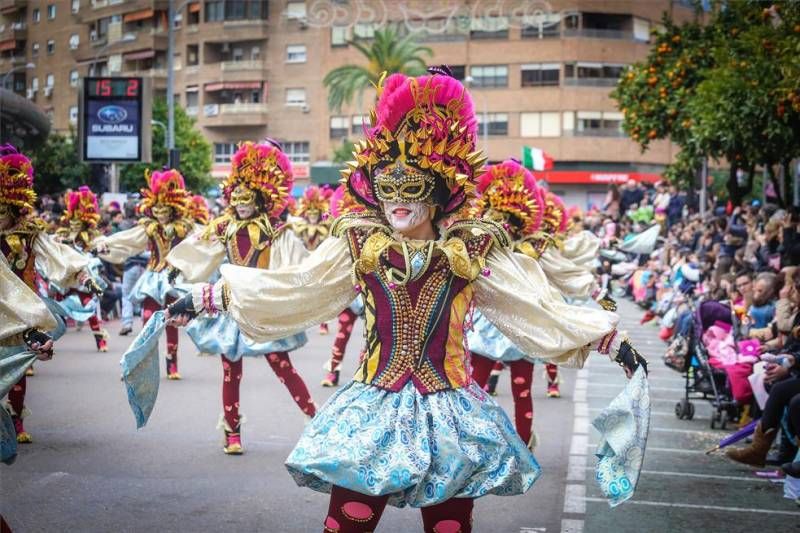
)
(114, 88)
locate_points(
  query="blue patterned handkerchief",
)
(623, 427)
(14, 361)
(140, 368)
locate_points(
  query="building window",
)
(36, 15)
(50, 81)
(74, 41)
(339, 127)
(359, 122)
(237, 54)
(364, 30)
(545, 26)
(218, 10)
(223, 151)
(540, 74)
(546, 124)
(35, 49)
(339, 36)
(192, 55)
(73, 114)
(459, 71)
(255, 54)
(51, 46)
(498, 123)
(76, 6)
(51, 11)
(296, 10)
(215, 11)
(592, 74)
(73, 78)
(34, 84)
(297, 151)
(489, 28)
(295, 97)
(489, 76)
(598, 124)
(296, 53)
(192, 98)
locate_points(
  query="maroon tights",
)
(521, 385)
(353, 512)
(282, 366)
(347, 320)
(150, 306)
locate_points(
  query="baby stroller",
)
(702, 381)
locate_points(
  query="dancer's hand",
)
(182, 311)
(630, 359)
(39, 342)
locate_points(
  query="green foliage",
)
(58, 166)
(195, 161)
(728, 89)
(387, 52)
(344, 153)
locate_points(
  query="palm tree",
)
(387, 53)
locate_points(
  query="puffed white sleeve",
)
(197, 256)
(516, 298)
(287, 250)
(20, 307)
(569, 278)
(61, 263)
(120, 246)
(275, 303)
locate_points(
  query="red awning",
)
(8, 45)
(194, 8)
(594, 177)
(232, 85)
(138, 15)
(141, 54)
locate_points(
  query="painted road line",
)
(703, 507)
(577, 467)
(580, 426)
(571, 526)
(575, 498)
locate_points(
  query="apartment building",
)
(246, 69)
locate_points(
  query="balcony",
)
(16, 31)
(597, 33)
(98, 9)
(10, 6)
(233, 71)
(228, 114)
(244, 30)
(590, 82)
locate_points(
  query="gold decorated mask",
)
(75, 225)
(242, 195)
(162, 211)
(406, 185)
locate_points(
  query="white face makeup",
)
(245, 211)
(406, 217)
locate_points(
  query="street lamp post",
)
(27, 66)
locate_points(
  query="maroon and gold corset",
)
(312, 235)
(247, 242)
(162, 238)
(417, 296)
(17, 248)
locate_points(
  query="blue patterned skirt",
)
(419, 449)
(156, 285)
(71, 307)
(219, 334)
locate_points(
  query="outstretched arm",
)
(62, 264)
(272, 304)
(515, 297)
(120, 246)
(197, 256)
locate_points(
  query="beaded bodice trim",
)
(16, 244)
(417, 295)
(312, 235)
(161, 238)
(247, 242)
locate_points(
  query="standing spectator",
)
(612, 203)
(631, 196)
(675, 206)
(661, 203)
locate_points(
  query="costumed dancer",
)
(79, 230)
(312, 224)
(198, 211)
(250, 234)
(412, 428)
(165, 222)
(26, 246)
(342, 203)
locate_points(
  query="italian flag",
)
(536, 159)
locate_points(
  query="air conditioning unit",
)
(48, 91)
(93, 35)
(30, 93)
(306, 108)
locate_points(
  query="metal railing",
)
(241, 65)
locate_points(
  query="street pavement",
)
(89, 469)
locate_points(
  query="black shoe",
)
(492, 385)
(792, 469)
(125, 331)
(784, 454)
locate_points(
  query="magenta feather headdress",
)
(16, 179)
(264, 168)
(82, 205)
(510, 188)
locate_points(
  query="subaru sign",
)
(115, 126)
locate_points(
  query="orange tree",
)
(720, 90)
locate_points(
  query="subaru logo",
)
(112, 114)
